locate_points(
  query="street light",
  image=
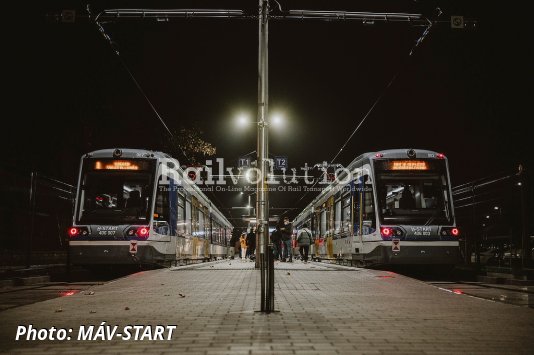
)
(277, 120)
(243, 120)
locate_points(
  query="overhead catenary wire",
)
(322, 15)
(417, 43)
(386, 88)
(115, 49)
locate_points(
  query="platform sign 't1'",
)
(244, 162)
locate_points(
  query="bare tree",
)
(188, 144)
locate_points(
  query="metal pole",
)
(262, 202)
(33, 187)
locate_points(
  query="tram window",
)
(323, 223)
(217, 233)
(201, 231)
(214, 232)
(180, 223)
(420, 198)
(114, 198)
(208, 228)
(337, 217)
(188, 217)
(368, 215)
(346, 214)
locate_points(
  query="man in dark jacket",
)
(251, 243)
(276, 239)
(233, 244)
(287, 231)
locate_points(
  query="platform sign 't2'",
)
(244, 162)
(280, 163)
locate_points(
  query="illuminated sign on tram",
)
(116, 165)
(408, 165)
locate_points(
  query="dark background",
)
(465, 93)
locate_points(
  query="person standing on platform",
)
(238, 245)
(287, 231)
(276, 239)
(304, 240)
(243, 244)
(251, 243)
(232, 244)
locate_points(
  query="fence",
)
(492, 214)
(34, 215)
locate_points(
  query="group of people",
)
(281, 239)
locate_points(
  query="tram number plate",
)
(421, 231)
(107, 230)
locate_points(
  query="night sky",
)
(465, 93)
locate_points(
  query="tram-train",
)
(387, 207)
(135, 207)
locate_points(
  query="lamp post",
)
(265, 260)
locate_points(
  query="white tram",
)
(135, 207)
(395, 207)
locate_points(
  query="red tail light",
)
(386, 232)
(440, 156)
(142, 232)
(138, 231)
(78, 231)
(450, 231)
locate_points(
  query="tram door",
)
(165, 215)
(364, 216)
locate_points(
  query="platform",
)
(323, 309)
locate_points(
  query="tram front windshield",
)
(115, 192)
(413, 192)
